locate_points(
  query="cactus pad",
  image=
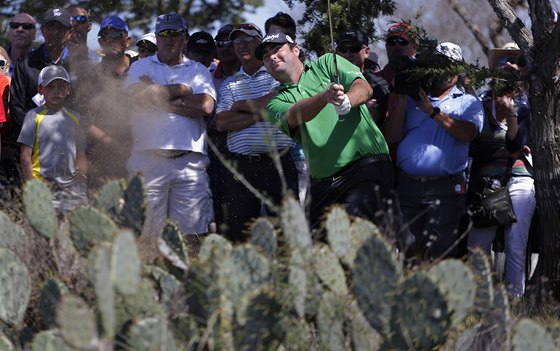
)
(298, 282)
(151, 334)
(263, 236)
(531, 336)
(100, 272)
(77, 322)
(51, 295)
(172, 246)
(329, 270)
(214, 246)
(37, 201)
(49, 340)
(133, 211)
(375, 276)
(15, 288)
(90, 226)
(125, 263)
(109, 199)
(330, 322)
(456, 282)
(360, 231)
(294, 225)
(338, 231)
(12, 236)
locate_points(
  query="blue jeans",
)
(522, 192)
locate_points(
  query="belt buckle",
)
(255, 158)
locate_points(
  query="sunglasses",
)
(79, 19)
(352, 49)
(3, 63)
(170, 33)
(110, 36)
(26, 26)
(244, 40)
(224, 43)
(393, 41)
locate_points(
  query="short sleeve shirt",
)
(55, 137)
(329, 145)
(427, 149)
(160, 129)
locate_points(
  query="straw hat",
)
(499, 56)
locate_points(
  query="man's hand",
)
(334, 94)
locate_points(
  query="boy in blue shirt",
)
(52, 141)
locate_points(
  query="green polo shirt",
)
(329, 145)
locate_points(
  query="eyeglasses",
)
(393, 41)
(170, 33)
(352, 49)
(3, 63)
(224, 43)
(244, 40)
(26, 26)
(110, 36)
(79, 19)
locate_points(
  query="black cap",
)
(356, 37)
(58, 14)
(201, 41)
(272, 38)
(225, 30)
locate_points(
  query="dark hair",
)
(283, 20)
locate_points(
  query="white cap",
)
(151, 37)
(52, 72)
(452, 51)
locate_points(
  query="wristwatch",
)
(436, 111)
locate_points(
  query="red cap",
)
(400, 29)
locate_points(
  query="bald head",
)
(22, 30)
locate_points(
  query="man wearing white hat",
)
(433, 133)
(147, 45)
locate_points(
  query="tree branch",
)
(466, 17)
(515, 27)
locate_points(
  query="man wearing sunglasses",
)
(172, 95)
(255, 145)
(56, 27)
(21, 34)
(77, 44)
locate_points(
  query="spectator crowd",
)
(223, 127)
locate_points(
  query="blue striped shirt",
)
(262, 137)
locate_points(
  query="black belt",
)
(171, 154)
(359, 163)
(422, 179)
(255, 157)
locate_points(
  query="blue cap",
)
(114, 22)
(170, 21)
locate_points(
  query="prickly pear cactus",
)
(330, 322)
(482, 270)
(297, 280)
(294, 225)
(133, 211)
(15, 288)
(497, 320)
(151, 334)
(90, 226)
(12, 236)
(375, 277)
(456, 282)
(37, 202)
(51, 295)
(261, 327)
(77, 322)
(50, 340)
(328, 268)
(263, 236)
(125, 263)
(531, 336)
(214, 247)
(339, 235)
(420, 318)
(6, 344)
(100, 273)
(172, 246)
(364, 337)
(168, 285)
(360, 231)
(109, 199)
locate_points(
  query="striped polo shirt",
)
(263, 136)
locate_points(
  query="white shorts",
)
(177, 189)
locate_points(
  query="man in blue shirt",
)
(434, 133)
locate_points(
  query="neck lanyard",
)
(48, 59)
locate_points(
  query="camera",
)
(411, 73)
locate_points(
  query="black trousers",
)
(362, 187)
(239, 204)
